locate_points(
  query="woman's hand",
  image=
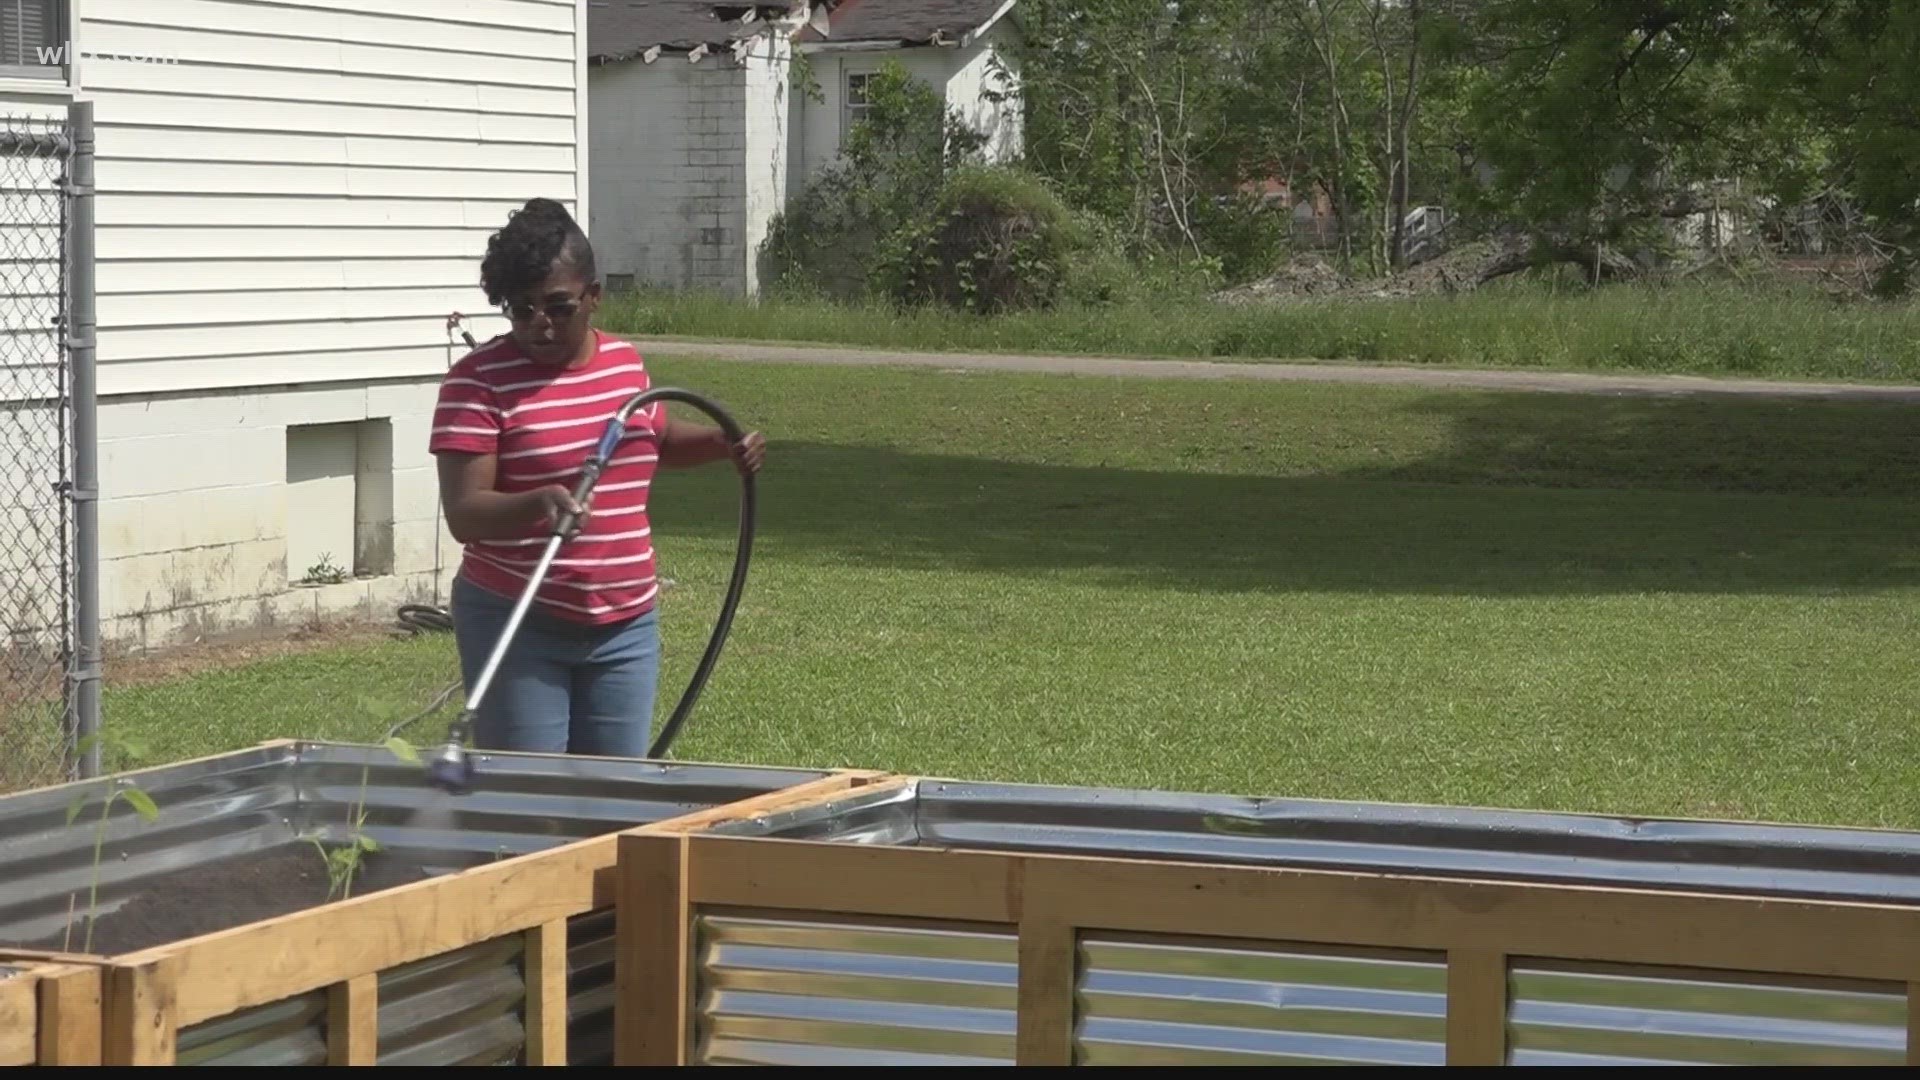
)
(546, 505)
(749, 452)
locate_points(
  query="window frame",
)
(850, 113)
(60, 14)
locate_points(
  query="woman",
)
(515, 422)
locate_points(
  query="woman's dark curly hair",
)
(524, 251)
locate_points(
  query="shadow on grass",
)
(1562, 496)
(1752, 446)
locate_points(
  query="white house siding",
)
(290, 203)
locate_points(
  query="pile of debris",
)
(1309, 277)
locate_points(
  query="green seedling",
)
(120, 789)
(343, 861)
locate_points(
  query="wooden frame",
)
(50, 1012)
(1050, 901)
(143, 1000)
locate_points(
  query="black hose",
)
(743, 554)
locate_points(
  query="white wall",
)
(293, 195)
(768, 98)
(689, 165)
(982, 68)
(666, 145)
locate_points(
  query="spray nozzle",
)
(450, 769)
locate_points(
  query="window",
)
(339, 501)
(856, 104)
(33, 38)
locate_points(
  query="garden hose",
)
(450, 767)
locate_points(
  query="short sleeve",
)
(465, 419)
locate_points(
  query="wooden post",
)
(353, 1021)
(1048, 975)
(141, 1025)
(70, 1006)
(1476, 1007)
(1913, 1023)
(546, 1020)
(650, 1011)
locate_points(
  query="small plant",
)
(119, 789)
(343, 860)
(325, 572)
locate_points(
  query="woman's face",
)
(551, 322)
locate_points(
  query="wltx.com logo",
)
(60, 55)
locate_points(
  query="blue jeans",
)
(563, 687)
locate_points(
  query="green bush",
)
(996, 239)
(834, 234)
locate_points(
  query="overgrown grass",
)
(1703, 330)
(1625, 605)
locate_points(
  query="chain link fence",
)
(37, 534)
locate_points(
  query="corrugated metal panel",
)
(1565, 1017)
(1778, 860)
(256, 799)
(590, 989)
(1175, 1004)
(780, 992)
(466, 1007)
(459, 1008)
(283, 1033)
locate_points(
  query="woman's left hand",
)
(749, 452)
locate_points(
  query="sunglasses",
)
(557, 311)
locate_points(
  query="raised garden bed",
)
(475, 930)
(921, 922)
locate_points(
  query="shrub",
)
(997, 239)
(830, 238)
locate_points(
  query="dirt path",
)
(1456, 378)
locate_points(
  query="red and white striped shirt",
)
(543, 423)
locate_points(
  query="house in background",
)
(292, 198)
(698, 135)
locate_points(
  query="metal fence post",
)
(86, 461)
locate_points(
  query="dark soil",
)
(224, 894)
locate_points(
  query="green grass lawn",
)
(1689, 329)
(1603, 604)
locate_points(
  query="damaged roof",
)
(909, 22)
(619, 29)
